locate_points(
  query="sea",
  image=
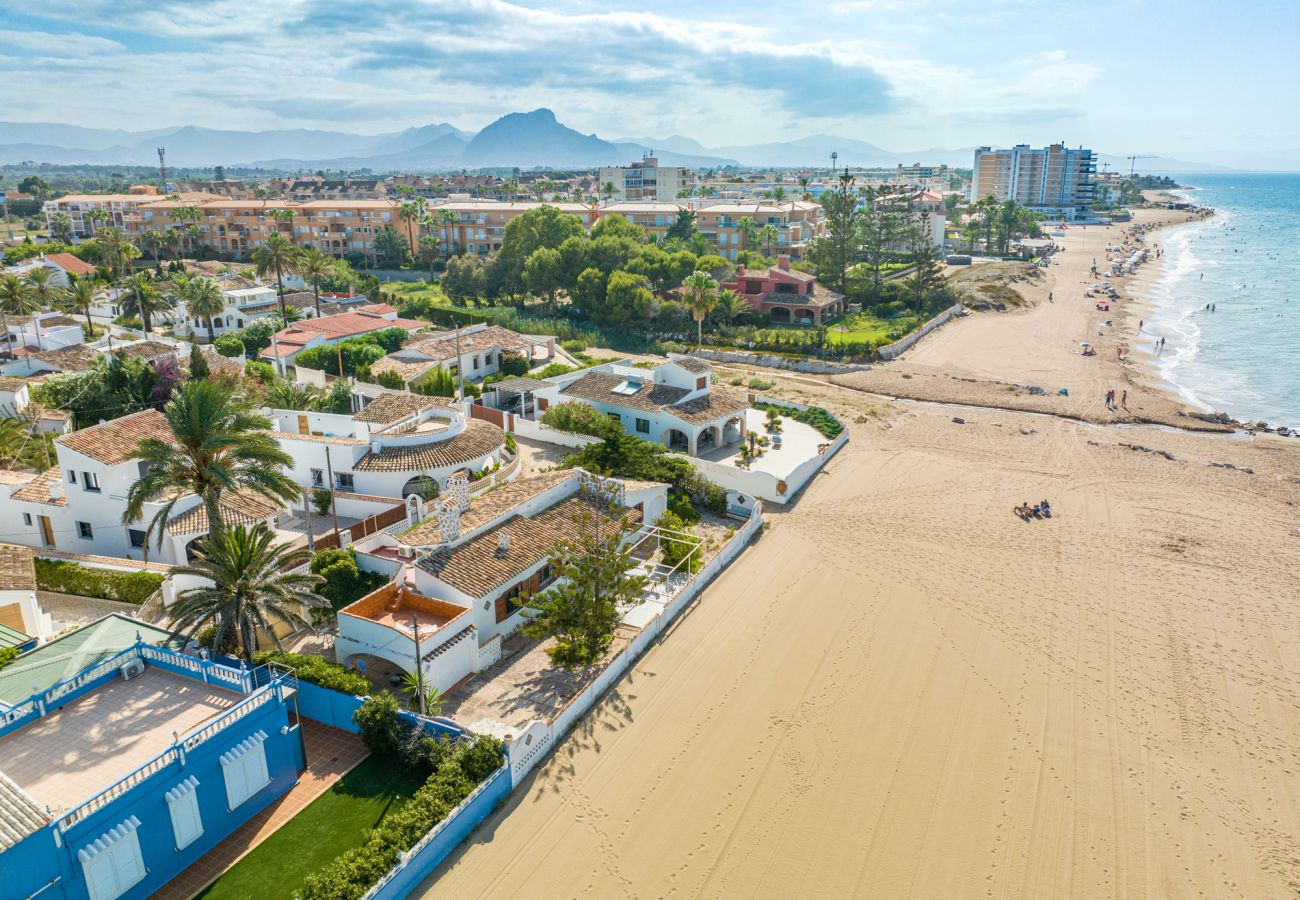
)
(1240, 356)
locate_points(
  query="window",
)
(112, 862)
(344, 480)
(27, 518)
(702, 382)
(137, 537)
(510, 602)
(90, 482)
(643, 426)
(474, 361)
(615, 416)
(85, 532)
(317, 478)
(183, 803)
(545, 577)
(72, 476)
(244, 767)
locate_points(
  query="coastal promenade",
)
(903, 690)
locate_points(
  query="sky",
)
(1121, 77)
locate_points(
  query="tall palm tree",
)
(61, 227)
(768, 234)
(315, 265)
(778, 193)
(144, 298)
(79, 298)
(251, 588)
(203, 300)
(47, 294)
(153, 241)
(411, 212)
(183, 217)
(701, 295)
(116, 249)
(15, 299)
(279, 255)
(218, 444)
(96, 217)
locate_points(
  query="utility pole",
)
(329, 470)
(162, 166)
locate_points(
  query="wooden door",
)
(303, 426)
(47, 531)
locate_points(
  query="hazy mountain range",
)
(525, 140)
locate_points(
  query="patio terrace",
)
(799, 443)
(73, 753)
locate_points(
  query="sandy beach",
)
(903, 690)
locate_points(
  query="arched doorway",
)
(708, 439)
(780, 314)
(675, 439)
(805, 316)
(733, 432)
(423, 486)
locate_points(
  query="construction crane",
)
(162, 166)
(1132, 163)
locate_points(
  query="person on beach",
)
(1123, 399)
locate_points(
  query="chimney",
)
(783, 262)
(740, 271)
(503, 542)
(448, 521)
(458, 489)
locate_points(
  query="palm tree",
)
(218, 444)
(203, 300)
(279, 255)
(411, 212)
(95, 217)
(607, 190)
(768, 234)
(182, 216)
(745, 225)
(283, 394)
(144, 299)
(47, 294)
(16, 298)
(701, 294)
(154, 241)
(315, 265)
(115, 249)
(778, 193)
(251, 588)
(729, 306)
(61, 227)
(79, 298)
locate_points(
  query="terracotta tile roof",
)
(443, 345)
(17, 571)
(77, 358)
(111, 442)
(240, 508)
(70, 264)
(13, 479)
(11, 385)
(489, 507)
(407, 371)
(713, 405)
(599, 387)
(477, 567)
(393, 407)
(691, 364)
(149, 350)
(478, 439)
(38, 489)
(348, 324)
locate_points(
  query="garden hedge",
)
(105, 584)
(318, 671)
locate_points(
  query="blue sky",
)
(903, 74)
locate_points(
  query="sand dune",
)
(902, 690)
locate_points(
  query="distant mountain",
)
(526, 140)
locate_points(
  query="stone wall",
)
(773, 361)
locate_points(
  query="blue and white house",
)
(116, 778)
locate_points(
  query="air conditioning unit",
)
(406, 552)
(131, 669)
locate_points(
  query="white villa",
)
(482, 351)
(464, 575)
(675, 403)
(389, 447)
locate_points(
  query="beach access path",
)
(991, 358)
(902, 690)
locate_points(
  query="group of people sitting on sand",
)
(1042, 511)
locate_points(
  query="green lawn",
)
(859, 327)
(336, 821)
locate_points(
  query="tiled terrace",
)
(331, 754)
(75, 752)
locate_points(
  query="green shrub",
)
(321, 499)
(579, 418)
(511, 444)
(390, 380)
(677, 549)
(681, 506)
(555, 368)
(379, 724)
(758, 384)
(460, 768)
(318, 671)
(574, 346)
(815, 416)
(7, 655)
(229, 345)
(106, 584)
(515, 365)
(344, 582)
(262, 371)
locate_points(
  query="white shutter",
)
(244, 767)
(183, 803)
(112, 863)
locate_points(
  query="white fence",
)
(538, 432)
(527, 749)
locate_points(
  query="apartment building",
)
(1056, 181)
(479, 226)
(645, 180)
(119, 208)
